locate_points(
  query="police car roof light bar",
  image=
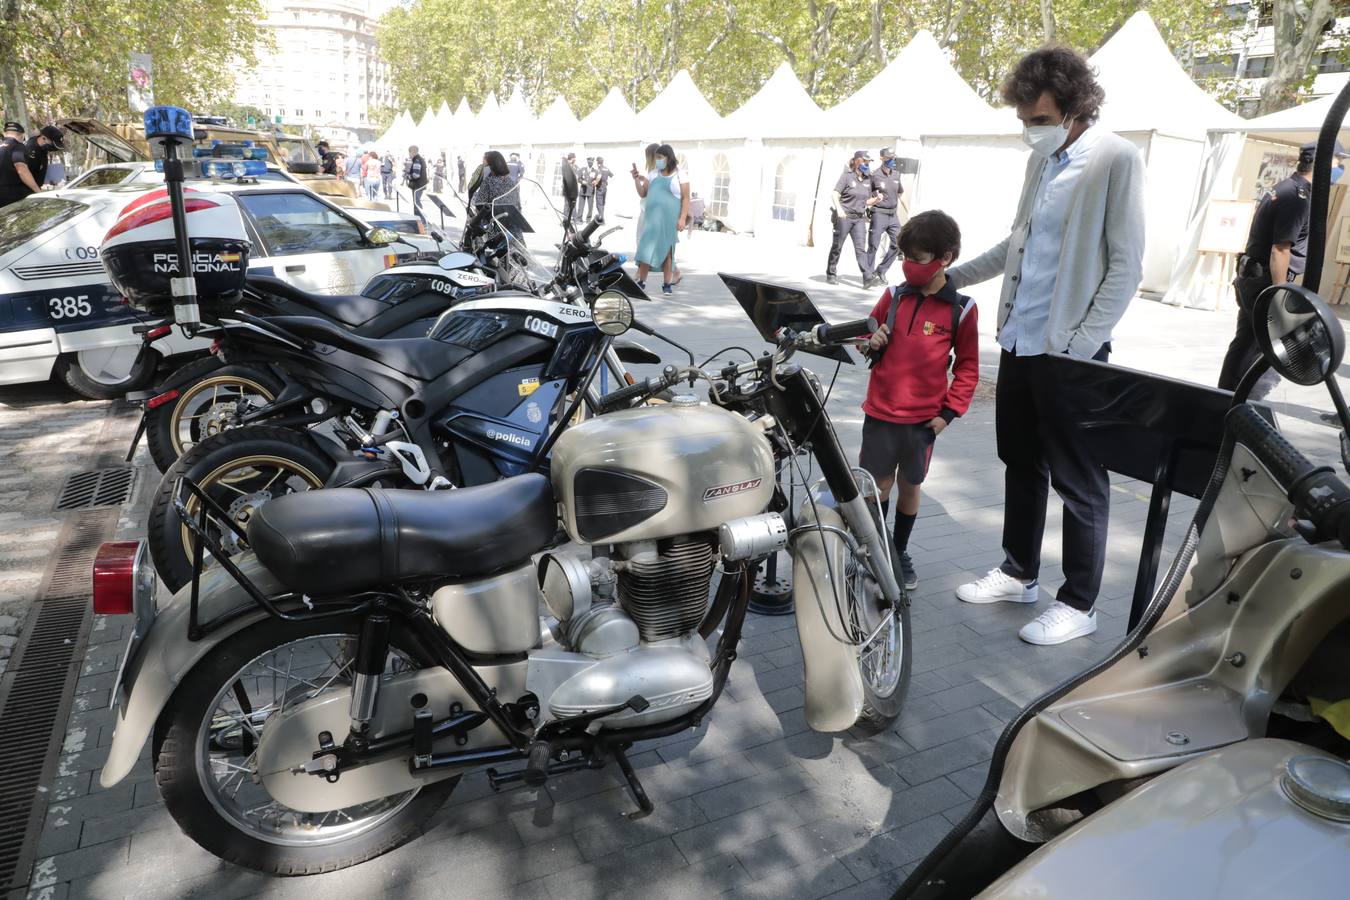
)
(171, 126)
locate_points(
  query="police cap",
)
(1308, 152)
(55, 135)
(15, 127)
(887, 153)
(861, 154)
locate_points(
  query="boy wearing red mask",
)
(927, 330)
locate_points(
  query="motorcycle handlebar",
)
(585, 233)
(624, 396)
(845, 331)
(1316, 492)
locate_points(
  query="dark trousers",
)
(600, 203)
(586, 207)
(857, 229)
(387, 183)
(887, 223)
(1243, 350)
(1038, 423)
(570, 210)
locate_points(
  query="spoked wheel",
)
(206, 407)
(884, 651)
(206, 744)
(240, 469)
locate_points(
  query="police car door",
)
(311, 244)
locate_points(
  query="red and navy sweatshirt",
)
(909, 383)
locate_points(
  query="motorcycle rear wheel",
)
(240, 469)
(205, 742)
(208, 389)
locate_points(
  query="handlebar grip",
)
(846, 331)
(621, 398)
(585, 233)
(1285, 463)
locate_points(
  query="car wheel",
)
(107, 373)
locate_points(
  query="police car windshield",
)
(20, 222)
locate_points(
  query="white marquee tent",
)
(680, 113)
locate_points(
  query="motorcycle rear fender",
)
(834, 688)
(165, 655)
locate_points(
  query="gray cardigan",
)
(1101, 261)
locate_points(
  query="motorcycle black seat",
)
(351, 539)
(422, 358)
(349, 309)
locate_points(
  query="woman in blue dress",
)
(665, 209)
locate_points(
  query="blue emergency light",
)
(164, 122)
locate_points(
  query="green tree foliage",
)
(445, 49)
(70, 57)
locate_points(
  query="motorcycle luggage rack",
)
(203, 542)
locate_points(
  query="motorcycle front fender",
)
(164, 656)
(834, 687)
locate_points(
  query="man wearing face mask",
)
(853, 196)
(1070, 268)
(1277, 250)
(24, 167)
(885, 217)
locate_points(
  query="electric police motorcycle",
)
(1200, 758)
(310, 703)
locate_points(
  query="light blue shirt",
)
(1025, 331)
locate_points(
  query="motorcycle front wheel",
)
(209, 393)
(240, 469)
(884, 655)
(205, 752)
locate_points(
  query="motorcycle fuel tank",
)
(660, 471)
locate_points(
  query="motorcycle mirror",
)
(382, 237)
(569, 183)
(1299, 335)
(612, 313)
(456, 261)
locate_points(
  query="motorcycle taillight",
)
(115, 578)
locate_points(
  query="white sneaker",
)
(999, 585)
(1059, 623)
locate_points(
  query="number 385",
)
(70, 307)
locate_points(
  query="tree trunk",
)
(1048, 20)
(1296, 40)
(11, 79)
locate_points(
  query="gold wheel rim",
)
(255, 461)
(213, 384)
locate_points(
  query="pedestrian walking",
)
(927, 328)
(416, 179)
(370, 174)
(852, 198)
(459, 163)
(23, 168)
(1277, 250)
(602, 177)
(569, 204)
(514, 167)
(387, 175)
(649, 157)
(887, 190)
(586, 190)
(665, 210)
(1070, 268)
(438, 174)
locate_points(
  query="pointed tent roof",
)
(399, 132)
(680, 113)
(779, 109)
(612, 122)
(515, 122)
(1297, 124)
(557, 125)
(426, 127)
(1136, 69)
(485, 123)
(951, 106)
(445, 125)
(464, 116)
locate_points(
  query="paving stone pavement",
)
(751, 804)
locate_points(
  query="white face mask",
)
(1046, 139)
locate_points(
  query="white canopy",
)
(780, 109)
(887, 106)
(1147, 90)
(399, 134)
(515, 122)
(680, 113)
(426, 133)
(1297, 124)
(465, 121)
(486, 122)
(612, 122)
(557, 125)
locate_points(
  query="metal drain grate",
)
(98, 487)
(37, 690)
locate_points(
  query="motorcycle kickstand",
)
(644, 802)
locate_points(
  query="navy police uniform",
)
(602, 176)
(1281, 218)
(885, 215)
(32, 154)
(854, 190)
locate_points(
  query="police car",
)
(59, 313)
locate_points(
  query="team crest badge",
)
(929, 328)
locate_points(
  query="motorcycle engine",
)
(664, 584)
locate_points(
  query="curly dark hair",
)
(931, 231)
(1065, 73)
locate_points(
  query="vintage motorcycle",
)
(1190, 762)
(310, 703)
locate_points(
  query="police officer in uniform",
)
(570, 206)
(24, 166)
(853, 196)
(586, 190)
(1277, 250)
(602, 176)
(885, 217)
(14, 134)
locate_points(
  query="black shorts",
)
(888, 447)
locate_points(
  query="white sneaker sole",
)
(1080, 631)
(1027, 595)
